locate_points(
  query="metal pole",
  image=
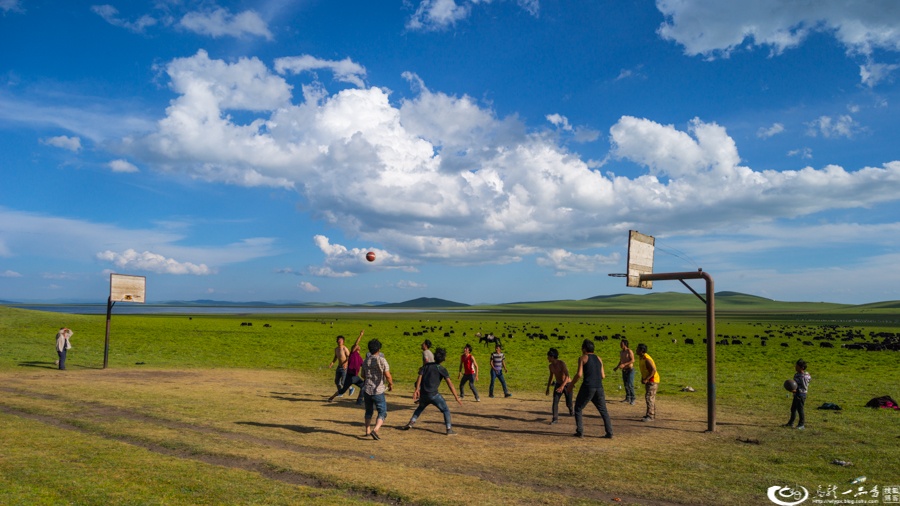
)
(710, 334)
(109, 305)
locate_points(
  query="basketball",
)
(790, 385)
(370, 256)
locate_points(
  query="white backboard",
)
(124, 288)
(640, 259)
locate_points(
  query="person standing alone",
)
(63, 346)
(626, 364)
(650, 379)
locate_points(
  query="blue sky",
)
(485, 150)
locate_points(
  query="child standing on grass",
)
(468, 371)
(801, 377)
(559, 378)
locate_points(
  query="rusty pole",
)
(710, 333)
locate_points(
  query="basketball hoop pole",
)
(710, 333)
(109, 306)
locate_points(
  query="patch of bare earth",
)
(279, 424)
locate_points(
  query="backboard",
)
(640, 259)
(124, 288)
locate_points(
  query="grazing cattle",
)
(723, 342)
(266, 325)
(688, 341)
(784, 345)
(808, 343)
(826, 345)
(736, 341)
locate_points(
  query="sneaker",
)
(375, 436)
(632, 403)
(341, 395)
(406, 427)
(801, 427)
(578, 434)
(607, 436)
(477, 399)
(789, 425)
(451, 432)
(554, 422)
(352, 389)
(646, 419)
(508, 395)
(491, 396)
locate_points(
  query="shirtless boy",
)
(559, 377)
(341, 356)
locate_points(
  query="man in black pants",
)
(590, 367)
(430, 377)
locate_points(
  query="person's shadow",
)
(295, 428)
(37, 363)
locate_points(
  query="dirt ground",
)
(279, 424)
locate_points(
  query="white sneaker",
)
(352, 389)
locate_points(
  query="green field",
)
(201, 410)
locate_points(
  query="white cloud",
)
(97, 124)
(83, 239)
(713, 28)
(873, 73)
(10, 6)
(344, 70)
(805, 153)
(306, 286)
(10, 274)
(220, 22)
(434, 15)
(343, 262)
(410, 285)
(564, 262)
(152, 262)
(438, 177)
(828, 127)
(64, 142)
(111, 15)
(765, 133)
(122, 166)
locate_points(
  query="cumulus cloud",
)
(308, 287)
(564, 262)
(122, 166)
(64, 142)
(873, 73)
(805, 153)
(344, 70)
(828, 127)
(152, 262)
(712, 28)
(111, 15)
(438, 177)
(766, 132)
(10, 274)
(220, 22)
(435, 15)
(343, 262)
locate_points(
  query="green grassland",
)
(748, 453)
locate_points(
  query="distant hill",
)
(673, 301)
(425, 303)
